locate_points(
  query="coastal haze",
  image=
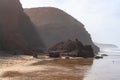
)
(54, 25)
(101, 18)
(22, 31)
(106, 68)
(38, 28)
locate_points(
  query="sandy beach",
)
(27, 68)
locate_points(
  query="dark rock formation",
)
(67, 45)
(71, 48)
(10, 13)
(55, 25)
(54, 54)
(17, 32)
(87, 51)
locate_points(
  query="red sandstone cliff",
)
(16, 30)
(20, 31)
(54, 25)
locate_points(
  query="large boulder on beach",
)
(17, 32)
(68, 45)
(71, 48)
(55, 25)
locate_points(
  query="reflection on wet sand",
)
(106, 68)
(26, 68)
(59, 69)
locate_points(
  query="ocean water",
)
(107, 68)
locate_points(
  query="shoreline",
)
(40, 68)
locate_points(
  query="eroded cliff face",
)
(55, 25)
(16, 30)
(22, 30)
(10, 13)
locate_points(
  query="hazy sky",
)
(100, 17)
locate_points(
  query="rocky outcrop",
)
(68, 45)
(17, 32)
(21, 30)
(10, 14)
(55, 25)
(71, 48)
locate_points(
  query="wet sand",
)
(44, 68)
(27, 68)
(107, 68)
